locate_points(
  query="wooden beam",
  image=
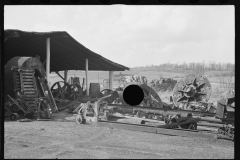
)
(65, 75)
(163, 111)
(59, 75)
(47, 58)
(111, 80)
(87, 90)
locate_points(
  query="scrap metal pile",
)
(28, 95)
(190, 93)
(163, 84)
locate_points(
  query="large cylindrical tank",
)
(28, 62)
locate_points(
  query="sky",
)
(137, 35)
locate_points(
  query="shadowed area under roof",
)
(65, 52)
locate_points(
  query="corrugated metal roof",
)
(65, 52)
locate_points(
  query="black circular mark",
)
(15, 1)
(104, 1)
(223, 1)
(133, 95)
(45, 1)
(193, 1)
(163, 1)
(134, 1)
(74, 1)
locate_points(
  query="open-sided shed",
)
(58, 50)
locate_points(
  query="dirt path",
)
(53, 139)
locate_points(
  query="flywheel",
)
(192, 88)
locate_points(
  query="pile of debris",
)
(163, 84)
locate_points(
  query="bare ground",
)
(66, 139)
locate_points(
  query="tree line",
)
(195, 66)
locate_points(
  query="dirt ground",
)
(63, 138)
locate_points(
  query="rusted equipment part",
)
(198, 106)
(26, 75)
(95, 107)
(14, 116)
(226, 109)
(17, 106)
(193, 88)
(24, 62)
(149, 93)
(226, 131)
(44, 109)
(25, 85)
(61, 90)
(182, 122)
(106, 92)
(47, 94)
(151, 98)
(74, 80)
(76, 91)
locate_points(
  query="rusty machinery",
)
(192, 93)
(96, 105)
(25, 81)
(195, 90)
(147, 109)
(226, 112)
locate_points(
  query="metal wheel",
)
(14, 116)
(193, 88)
(61, 90)
(78, 119)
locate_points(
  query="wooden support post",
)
(111, 80)
(47, 59)
(87, 90)
(65, 75)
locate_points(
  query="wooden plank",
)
(29, 89)
(26, 77)
(29, 92)
(31, 96)
(28, 86)
(27, 80)
(152, 129)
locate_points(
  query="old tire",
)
(78, 119)
(14, 116)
